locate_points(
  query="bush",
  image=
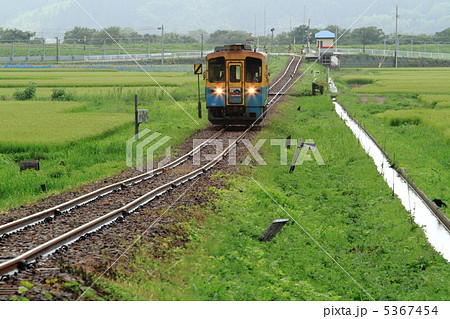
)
(62, 95)
(28, 94)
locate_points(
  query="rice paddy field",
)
(52, 123)
(408, 112)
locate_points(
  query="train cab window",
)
(253, 70)
(235, 73)
(216, 70)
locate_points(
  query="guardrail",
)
(108, 57)
(154, 56)
(401, 54)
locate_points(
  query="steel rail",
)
(282, 76)
(22, 260)
(280, 92)
(84, 199)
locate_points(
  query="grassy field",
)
(407, 81)
(407, 111)
(90, 78)
(52, 123)
(344, 205)
(88, 132)
(438, 101)
(434, 118)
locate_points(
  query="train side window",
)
(216, 70)
(235, 73)
(253, 71)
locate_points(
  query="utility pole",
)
(336, 42)
(271, 30)
(162, 43)
(43, 48)
(57, 49)
(308, 36)
(201, 54)
(255, 27)
(396, 37)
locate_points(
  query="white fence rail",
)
(109, 57)
(153, 56)
(401, 54)
(197, 54)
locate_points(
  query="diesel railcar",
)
(236, 85)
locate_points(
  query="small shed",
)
(325, 39)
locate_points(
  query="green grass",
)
(345, 206)
(91, 78)
(53, 123)
(411, 80)
(438, 119)
(438, 101)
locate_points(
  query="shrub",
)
(28, 94)
(62, 95)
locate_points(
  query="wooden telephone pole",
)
(396, 37)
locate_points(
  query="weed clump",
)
(27, 94)
(62, 95)
(396, 121)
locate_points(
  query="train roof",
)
(233, 47)
(236, 50)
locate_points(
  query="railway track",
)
(24, 240)
(280, 86)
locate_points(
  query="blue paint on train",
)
(259, 98)
(214, 99)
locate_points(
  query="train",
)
(236, 85)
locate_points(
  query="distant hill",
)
(56, 16)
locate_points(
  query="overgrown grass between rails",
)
(345, 205)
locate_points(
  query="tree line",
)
(116, 34)
(300, 34)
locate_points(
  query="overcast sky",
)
(54, 17)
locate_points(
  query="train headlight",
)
(219, 91)
(251, 90)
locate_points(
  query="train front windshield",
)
(216, 70)
(253, 70)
